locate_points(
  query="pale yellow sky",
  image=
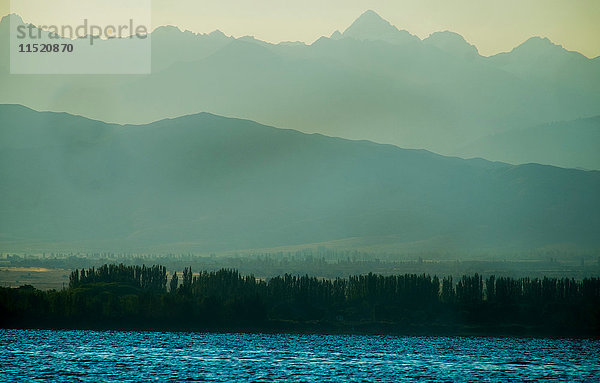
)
(493, 26)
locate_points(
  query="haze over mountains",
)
(372, 81)
(208, 183)
(546, 144)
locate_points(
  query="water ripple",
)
(90, 356)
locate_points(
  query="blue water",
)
(92, 356)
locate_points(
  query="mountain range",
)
(372, 81)
(207, 183)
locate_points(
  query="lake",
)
(92, 356)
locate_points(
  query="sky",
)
(493, 26)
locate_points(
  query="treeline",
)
(119, 296)
(149, 278)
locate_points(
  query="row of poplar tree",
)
(408, 289)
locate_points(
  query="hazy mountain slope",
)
(417, 96)
(209, 183)
(568, 144)
(452, 43)
(371, 82)
(183, 46)
(540, 59)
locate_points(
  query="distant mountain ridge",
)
(206, 183)
(544, 143)
(373, 81)
(452, 43)
(371, 27)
